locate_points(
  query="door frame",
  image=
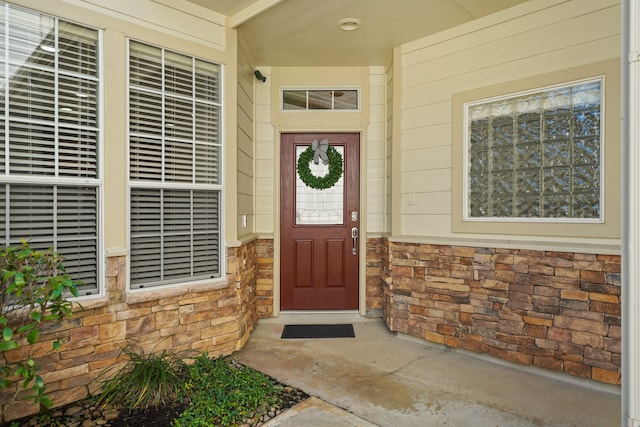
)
(362, 241)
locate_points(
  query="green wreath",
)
(320, 182)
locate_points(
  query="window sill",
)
(89, 303)
(151, 294)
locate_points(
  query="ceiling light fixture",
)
(349, 24)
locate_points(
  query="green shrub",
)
(33, 291)
(221, 394)
(144, 381)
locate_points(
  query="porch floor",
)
(386, 379)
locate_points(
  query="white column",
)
(631, 214)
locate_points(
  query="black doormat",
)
(318, 331)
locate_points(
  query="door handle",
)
(354, 235)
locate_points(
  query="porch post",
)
(631, 213)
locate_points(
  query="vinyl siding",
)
(519, 43)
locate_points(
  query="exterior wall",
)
(369, 121)
(215, 319)
(375, 254)
(178, 25)
(374, 174)
(389, 137)
(555, 310)
(246, 142)
(265, 152)
(535, 294)
(374, 291)
(215, 316)
(270, 121)
(264, 278)
(520, 43)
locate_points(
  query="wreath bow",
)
(320, 151)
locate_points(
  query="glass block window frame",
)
(175, 167)
(319, 99)
(51, 143)
(536, 156)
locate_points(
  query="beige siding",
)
(168, 19)
(370, 121)
(194, 31)
(246, 142)
(388, 148)
(265, 157)
(376, 153)
(520, 43)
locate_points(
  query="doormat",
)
(318, 331)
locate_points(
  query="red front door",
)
(319, 228)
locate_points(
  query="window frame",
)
(58, 180)
(165, 185)
(540, 90)
(609, 227)
(309, 89)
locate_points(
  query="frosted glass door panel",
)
(319, 206)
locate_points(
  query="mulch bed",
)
(86, 413)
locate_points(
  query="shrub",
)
(33, 291)
(144, 381)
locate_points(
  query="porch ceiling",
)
(305, 32)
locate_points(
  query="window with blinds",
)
(49, 138)
(174, 167)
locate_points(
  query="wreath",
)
(320, 182)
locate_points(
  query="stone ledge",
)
(152, 294)
(587, 246)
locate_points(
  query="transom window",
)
(50, 176)
(320, 99)
(174, 167)
(536, 155)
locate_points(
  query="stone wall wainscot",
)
(374, 298)
(264, 278)
(216, 318)
(555, 310)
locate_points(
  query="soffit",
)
(305, 32)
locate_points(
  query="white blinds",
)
(174, 167)
(49, 138)
(175, 235)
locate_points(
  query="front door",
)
(319, 223)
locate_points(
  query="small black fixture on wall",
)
(259, 76)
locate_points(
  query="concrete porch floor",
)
(385, 379)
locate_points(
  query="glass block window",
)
(50, 177)
(320, 99)
(175, 172)
(536, 155)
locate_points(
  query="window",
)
(49, 120)
(319, 99)
(174, 167)
(536, 155)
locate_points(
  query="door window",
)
(315, 207)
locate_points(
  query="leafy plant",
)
(145, 380)
(221, 394)
(33, 291)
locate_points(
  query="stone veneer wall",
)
(264, 278)
(555, 310)
(374, 299)
(215, 318)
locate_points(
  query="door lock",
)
(354, 235)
